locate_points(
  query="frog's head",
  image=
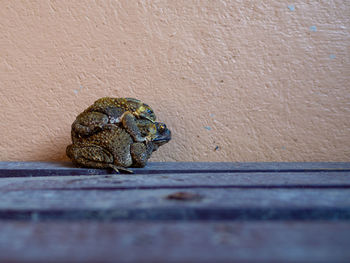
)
(162, 136)
(144, 111)
(156, 131)
(141, 110)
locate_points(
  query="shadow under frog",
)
(115, 148)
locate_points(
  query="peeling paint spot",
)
(184, 196)
(76, 91)
(208, 128)
(212, 115)
(313, 28)
(216, 148)
(291, 7)
(332, 56)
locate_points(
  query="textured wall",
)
(234, 80)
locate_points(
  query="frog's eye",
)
(149, 111)
(162, 127)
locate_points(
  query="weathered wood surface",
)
(174, 242)
(182, 180)
(260, 212)
(11, 169)
(224, 199)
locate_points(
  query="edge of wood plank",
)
(29, 169)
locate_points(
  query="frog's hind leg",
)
(120, 169)
(92, 156)
(129, 123)
(88, 123)
(140, 153)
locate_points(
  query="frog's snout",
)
(163, 137)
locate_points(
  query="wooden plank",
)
(174, 242)
(176, 212)
(182, 180)
(157, 199)
(12, 169)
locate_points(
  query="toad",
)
(115, 148)
(108, 112)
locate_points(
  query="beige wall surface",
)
(263, 80)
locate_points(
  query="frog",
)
(108, 112)
(115, 148)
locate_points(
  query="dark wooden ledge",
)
(175, 212)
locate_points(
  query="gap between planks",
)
(180, 214)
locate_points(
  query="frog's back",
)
(117, 142)
(114, 107)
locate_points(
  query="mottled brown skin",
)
(115, 148)
(108, 112)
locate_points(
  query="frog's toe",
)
(148, 139)
(120, 169)
(139, 138)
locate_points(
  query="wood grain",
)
(174, 242)
(297, 180)
(156, 198)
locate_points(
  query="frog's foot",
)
(120, 169)
(125, 114)
(148, 139)
(114, 120)
(139, 138)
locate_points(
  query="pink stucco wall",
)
(263, 80)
